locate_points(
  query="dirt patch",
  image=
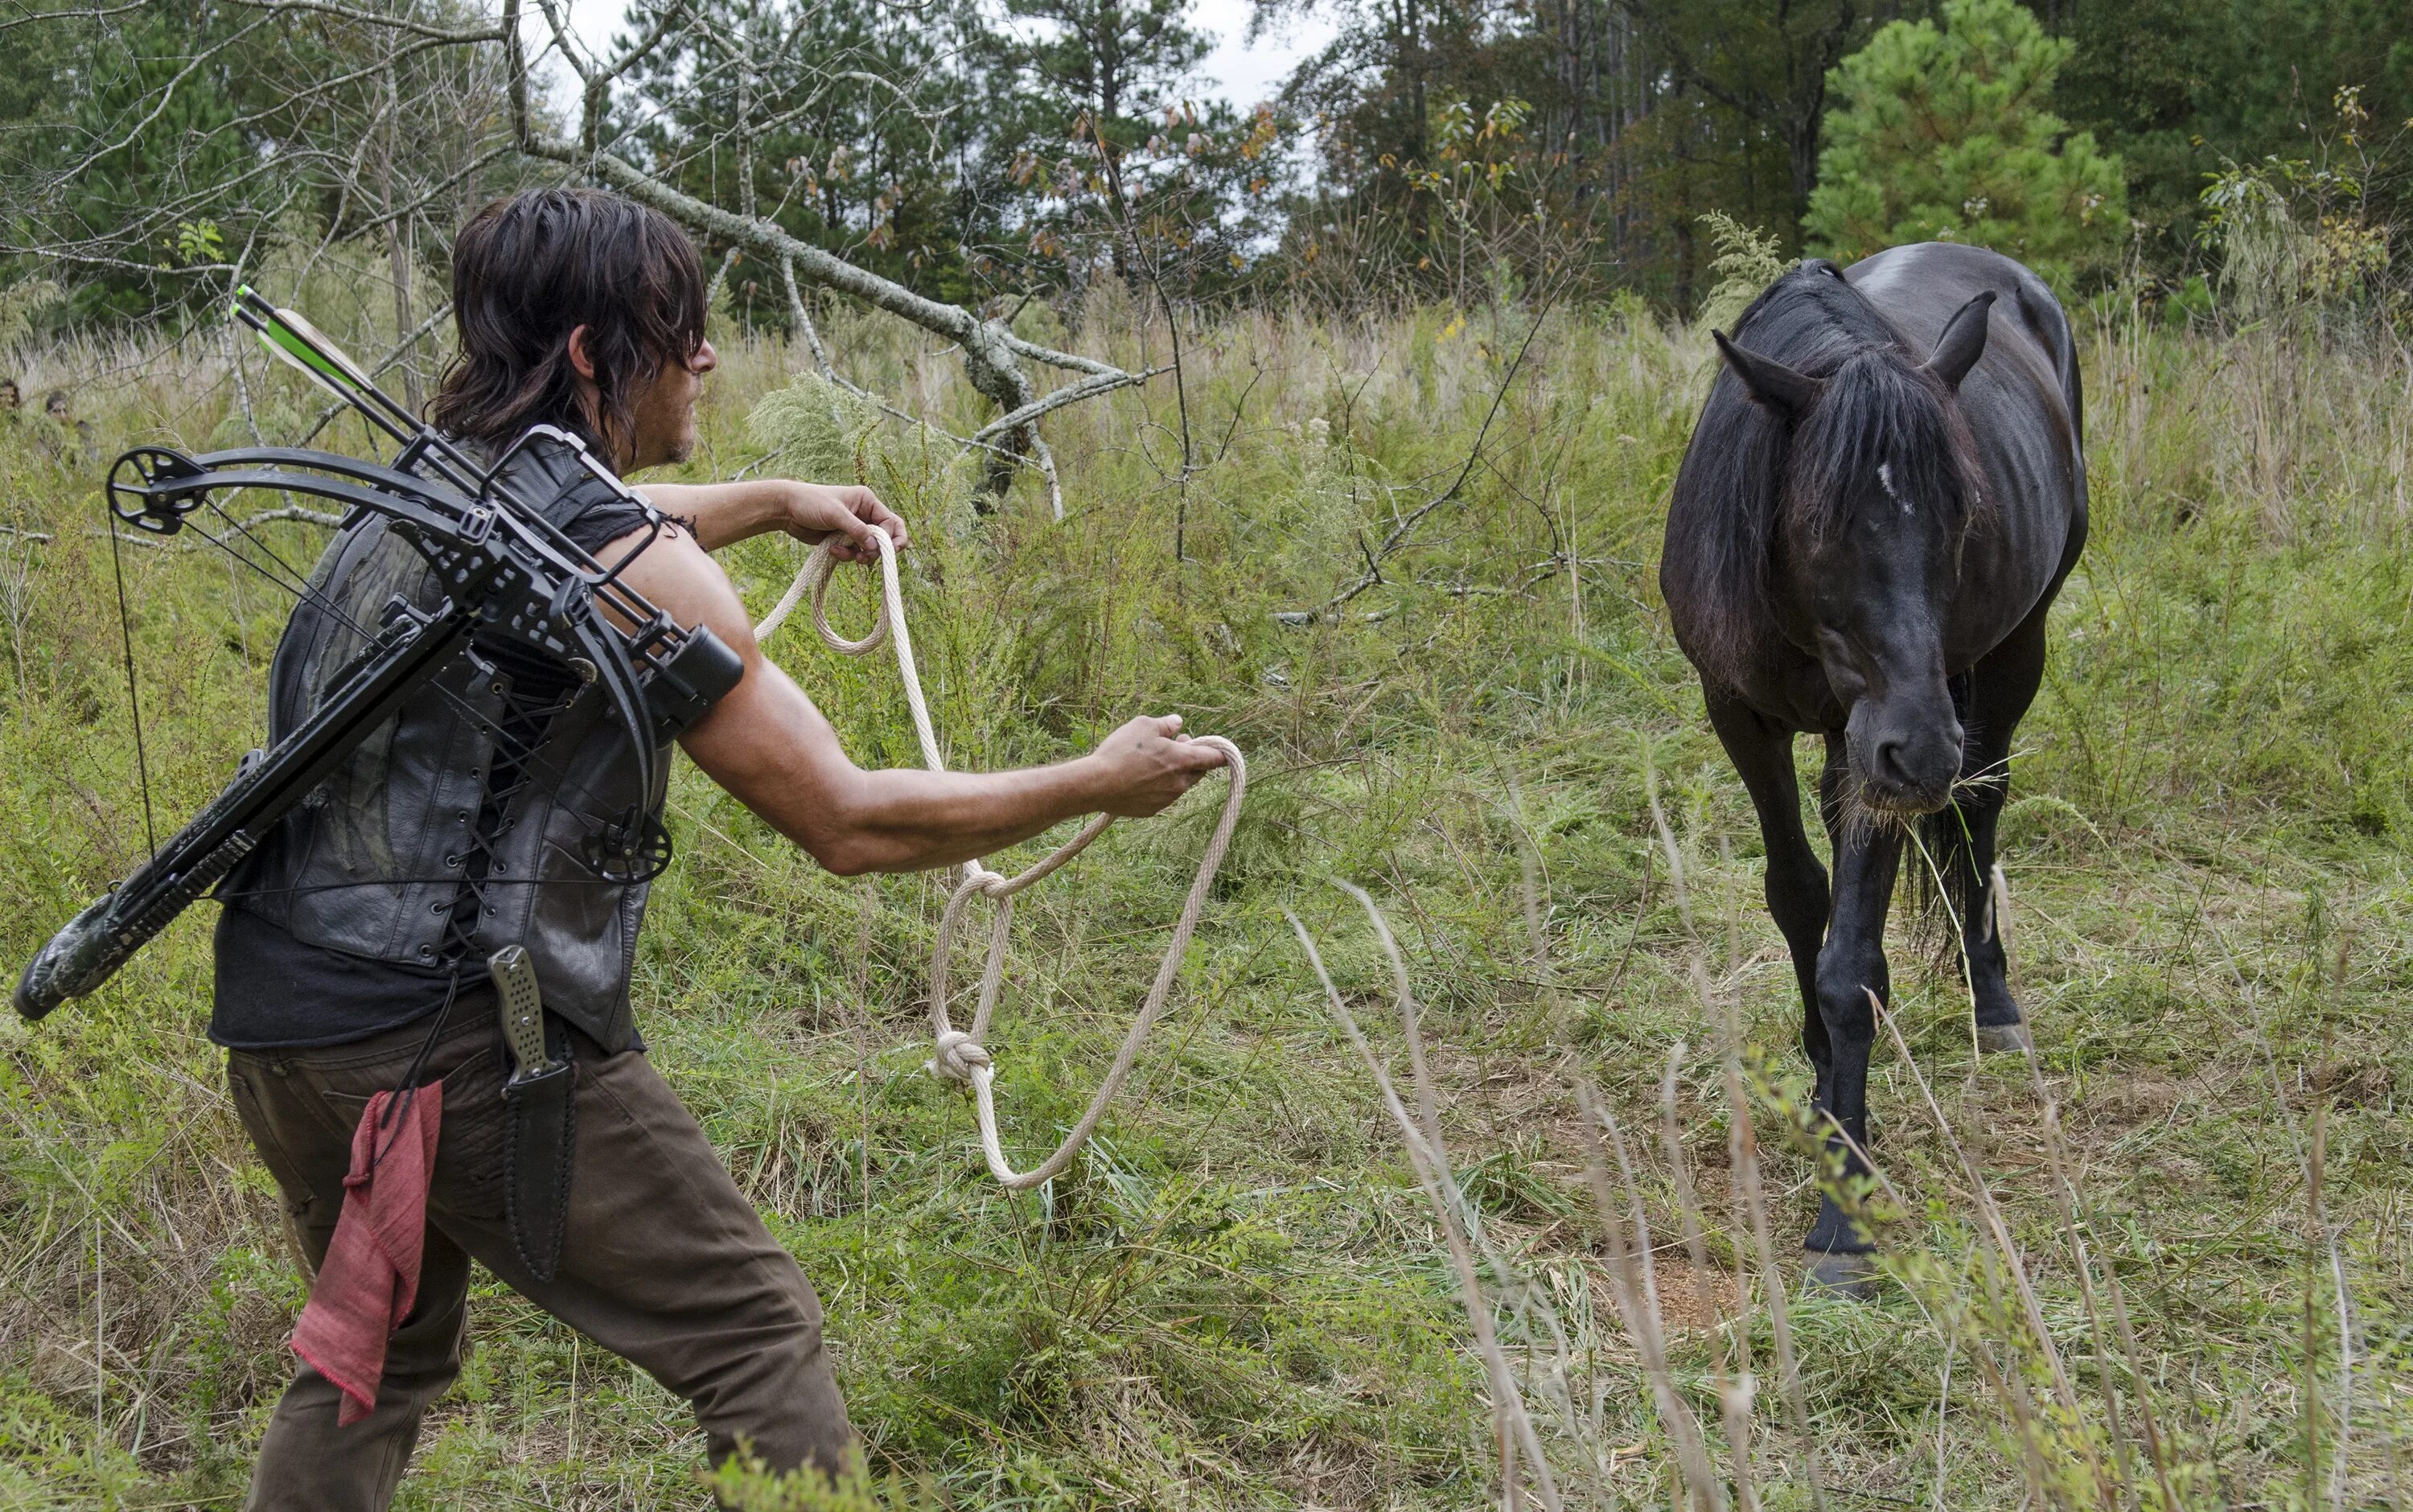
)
(2130, 1100)
(2355, 1083)
(1690, 1301)
(1695, 1302)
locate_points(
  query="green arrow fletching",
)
(293, 340)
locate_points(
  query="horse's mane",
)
(1881, 411)
(1733, 491)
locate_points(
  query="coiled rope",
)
(961, 1055)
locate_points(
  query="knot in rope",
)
(958, 1055)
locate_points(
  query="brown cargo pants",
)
(664, 1261)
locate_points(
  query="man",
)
(352, 953)
(63, 435)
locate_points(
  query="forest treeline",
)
(989, 151)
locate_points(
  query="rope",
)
(962, 1055)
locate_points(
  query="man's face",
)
(663, 413)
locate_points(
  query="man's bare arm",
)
(771, 748)
(726, 513)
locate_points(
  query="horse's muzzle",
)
(1906, 767)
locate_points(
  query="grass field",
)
(1239, 1298)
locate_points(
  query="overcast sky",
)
(1244, 73)
(1240, 72)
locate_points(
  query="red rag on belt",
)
(370, 1277)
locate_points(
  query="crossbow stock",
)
(505, 573)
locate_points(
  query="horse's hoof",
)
(1853, 1277)
(1998, 1039)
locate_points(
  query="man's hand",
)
(1147, 764)
(814, 513)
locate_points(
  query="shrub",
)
(1943, 136)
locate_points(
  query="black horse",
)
(1864, 545)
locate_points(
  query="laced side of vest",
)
(519, 729)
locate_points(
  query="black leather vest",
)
(433, 820)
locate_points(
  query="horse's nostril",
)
(1889, 766)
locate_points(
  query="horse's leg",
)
(1851, 967)
(1796, 884)
(2000, 687)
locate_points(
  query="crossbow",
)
(504, 573)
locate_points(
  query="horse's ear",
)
(1962, 342)
(1775, 385)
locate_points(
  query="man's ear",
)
(590, 406)
(1774, 385)
(582, 362)
(1962, 342)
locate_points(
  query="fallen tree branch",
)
(357, 110)
(1071, 393)
(798, 312)
(293, 511)
(992, 354)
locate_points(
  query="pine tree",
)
(834, 118)
(1127, 167)
(1943, 135)
(1111, 61)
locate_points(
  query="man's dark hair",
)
(527, 270)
